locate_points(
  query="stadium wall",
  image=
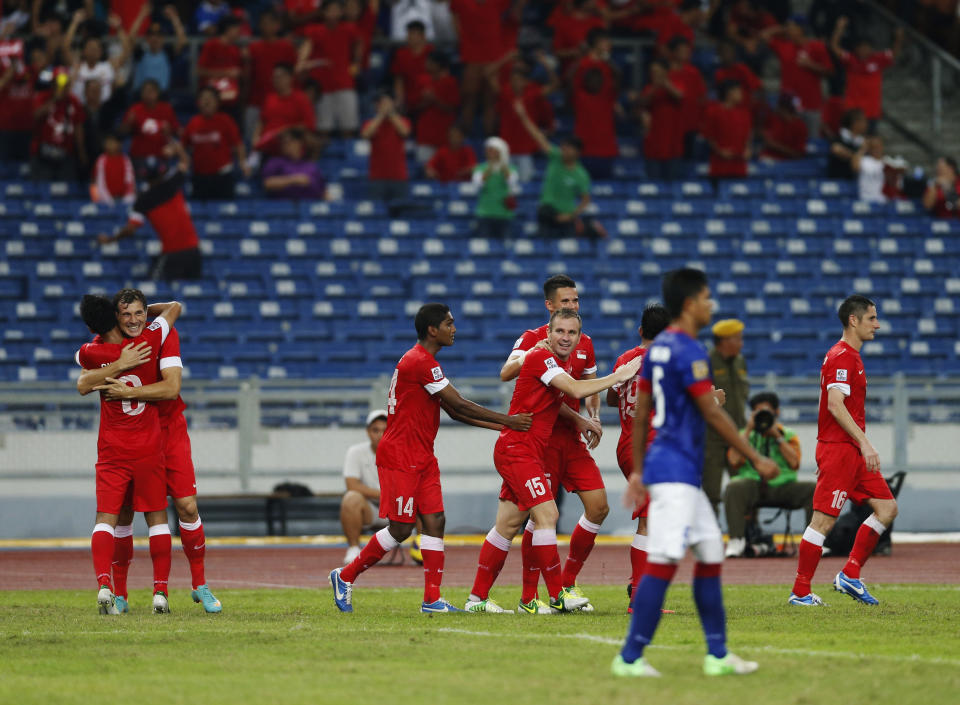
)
(47, 489)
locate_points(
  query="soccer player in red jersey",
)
(409, 474)
(567, 458)
(543, 384)
(624, 396)
(848, 466)
(129, 448)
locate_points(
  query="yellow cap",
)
(727, 327)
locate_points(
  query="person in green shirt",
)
(747, 491)
(497, 183)
(566, 186)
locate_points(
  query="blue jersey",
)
(676, 371)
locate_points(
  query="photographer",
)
(747, 491)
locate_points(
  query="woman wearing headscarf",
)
(497, 183)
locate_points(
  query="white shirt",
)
(871, 179)
(102, 72)
(361, 463)
(405, 11)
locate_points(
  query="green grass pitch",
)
(292, 646)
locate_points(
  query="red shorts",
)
(625, 461)
(570, 464)
(131, 482)
(406, 494)
(841, 475)
(526, 482)
(177, 458)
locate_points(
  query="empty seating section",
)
(330, 288)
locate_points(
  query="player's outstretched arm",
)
(452, 413)
(721, 422)
(581, 388)
(839, 411)
(167, 388)
(169, 311)
(131, 356)
(465, 407)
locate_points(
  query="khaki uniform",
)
(731, 377)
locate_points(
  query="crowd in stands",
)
(93, 94)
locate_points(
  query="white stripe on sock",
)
(386, 541)
(430, 543)
(498, 541)
(530, 526)
(105, 528)
(159, 530)
(813, 536)
(190, 525)
(874, 523)
(639, 542)
(544, 537)
(588, 525)
(122, 532)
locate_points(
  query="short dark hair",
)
(676, 41)
(654, 319)
(851, 116)
(151, 82)
(557, 281)
(227, 22)
(128, 296)
(952, 163)
(564, 313)
(853, 305)
(725, 87)
(572, 141)
(679, 285)
(770, 398)
(209, 89)
(416, 25)
(596, 35)
(429, 315)
(284, 66)
(98, 313)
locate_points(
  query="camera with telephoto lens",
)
(763, 421)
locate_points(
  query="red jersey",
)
(479, 29)
(128, 429)
(127, 11)
(413, 412)
(791, 132)
(664, 138)
(17, 100)
(865, 81)
(795, 79)
(434, 121)
(742, 74)
(842, 369)
(689, 81)
(570, 30)
(627, 391)
(593, 107)
(729, 129)
(151, 128)
(388, 160)
(453, 165)
(582, 362)
(165, 207)
(334, 50)
(511, 129)
(280, 112)
(113, 176)
(364, 28)
(265, 54)
(212, 140)
(411, 68)
(55, 134)
(533, 394)
(170, 357)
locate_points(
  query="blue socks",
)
(709, 599)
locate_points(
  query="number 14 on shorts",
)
(405, 507)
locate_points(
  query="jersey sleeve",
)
(837, 377)
(91, 356)
(170, 351)
(161, 325)
(543, 365)
(694, 369)
(591, 367)
(432, 377)
(525, 341)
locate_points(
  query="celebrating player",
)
(848, 466)
(543, 384)
(676, 383)
(129, 448)
(409, 474)
(567, 459)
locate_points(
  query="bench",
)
(273, 511)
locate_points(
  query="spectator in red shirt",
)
(533, 96)
(57, 148)
(388, 161)
(865, 68)
(362, 16)
(454, 161)
(212, 138)
(687, 77)
(221, 63)
(804, 62)
(785, 131)
(572, 21)
(263, 55)
(332, 54)
(661, 106)
(409, 66)
(16, 97)
(594, 105)
(284, 108)
(942, 196)
(478, 26)
(731, 69)
(726, 127)
(113, 174)
(437, 108)
(151, 122)
(128, 11)
(744, 23)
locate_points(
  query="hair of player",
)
(565, 313)
(98, 313)
(680, 285)
(770, 398)
(416, 26)
(654, 319)
(557, 281)
(853, 305)
(429, 316)
(128, 296)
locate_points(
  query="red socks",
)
(101, 545)
(432, 549)
(194, 548)
(638, 558)
(376, 548)
(811, 548)
(493, 554)
(868, 534)
(531, 569)
(122, 555)
(581, 543)
(160, 555)
(547, 559)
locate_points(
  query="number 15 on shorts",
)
(535, 485)
(405, 507)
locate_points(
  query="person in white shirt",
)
(868, 164)
(359, 507)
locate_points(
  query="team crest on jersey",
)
(517, 344)
(550, 363)
(701, 370)
(581, 355)
(154, 326)
(841, 375)
(437, 374)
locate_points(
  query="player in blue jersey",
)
(676, 383)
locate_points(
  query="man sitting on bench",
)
(747, 491)
(360, 505)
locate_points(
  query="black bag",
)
(293, 489)
(759, 544)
